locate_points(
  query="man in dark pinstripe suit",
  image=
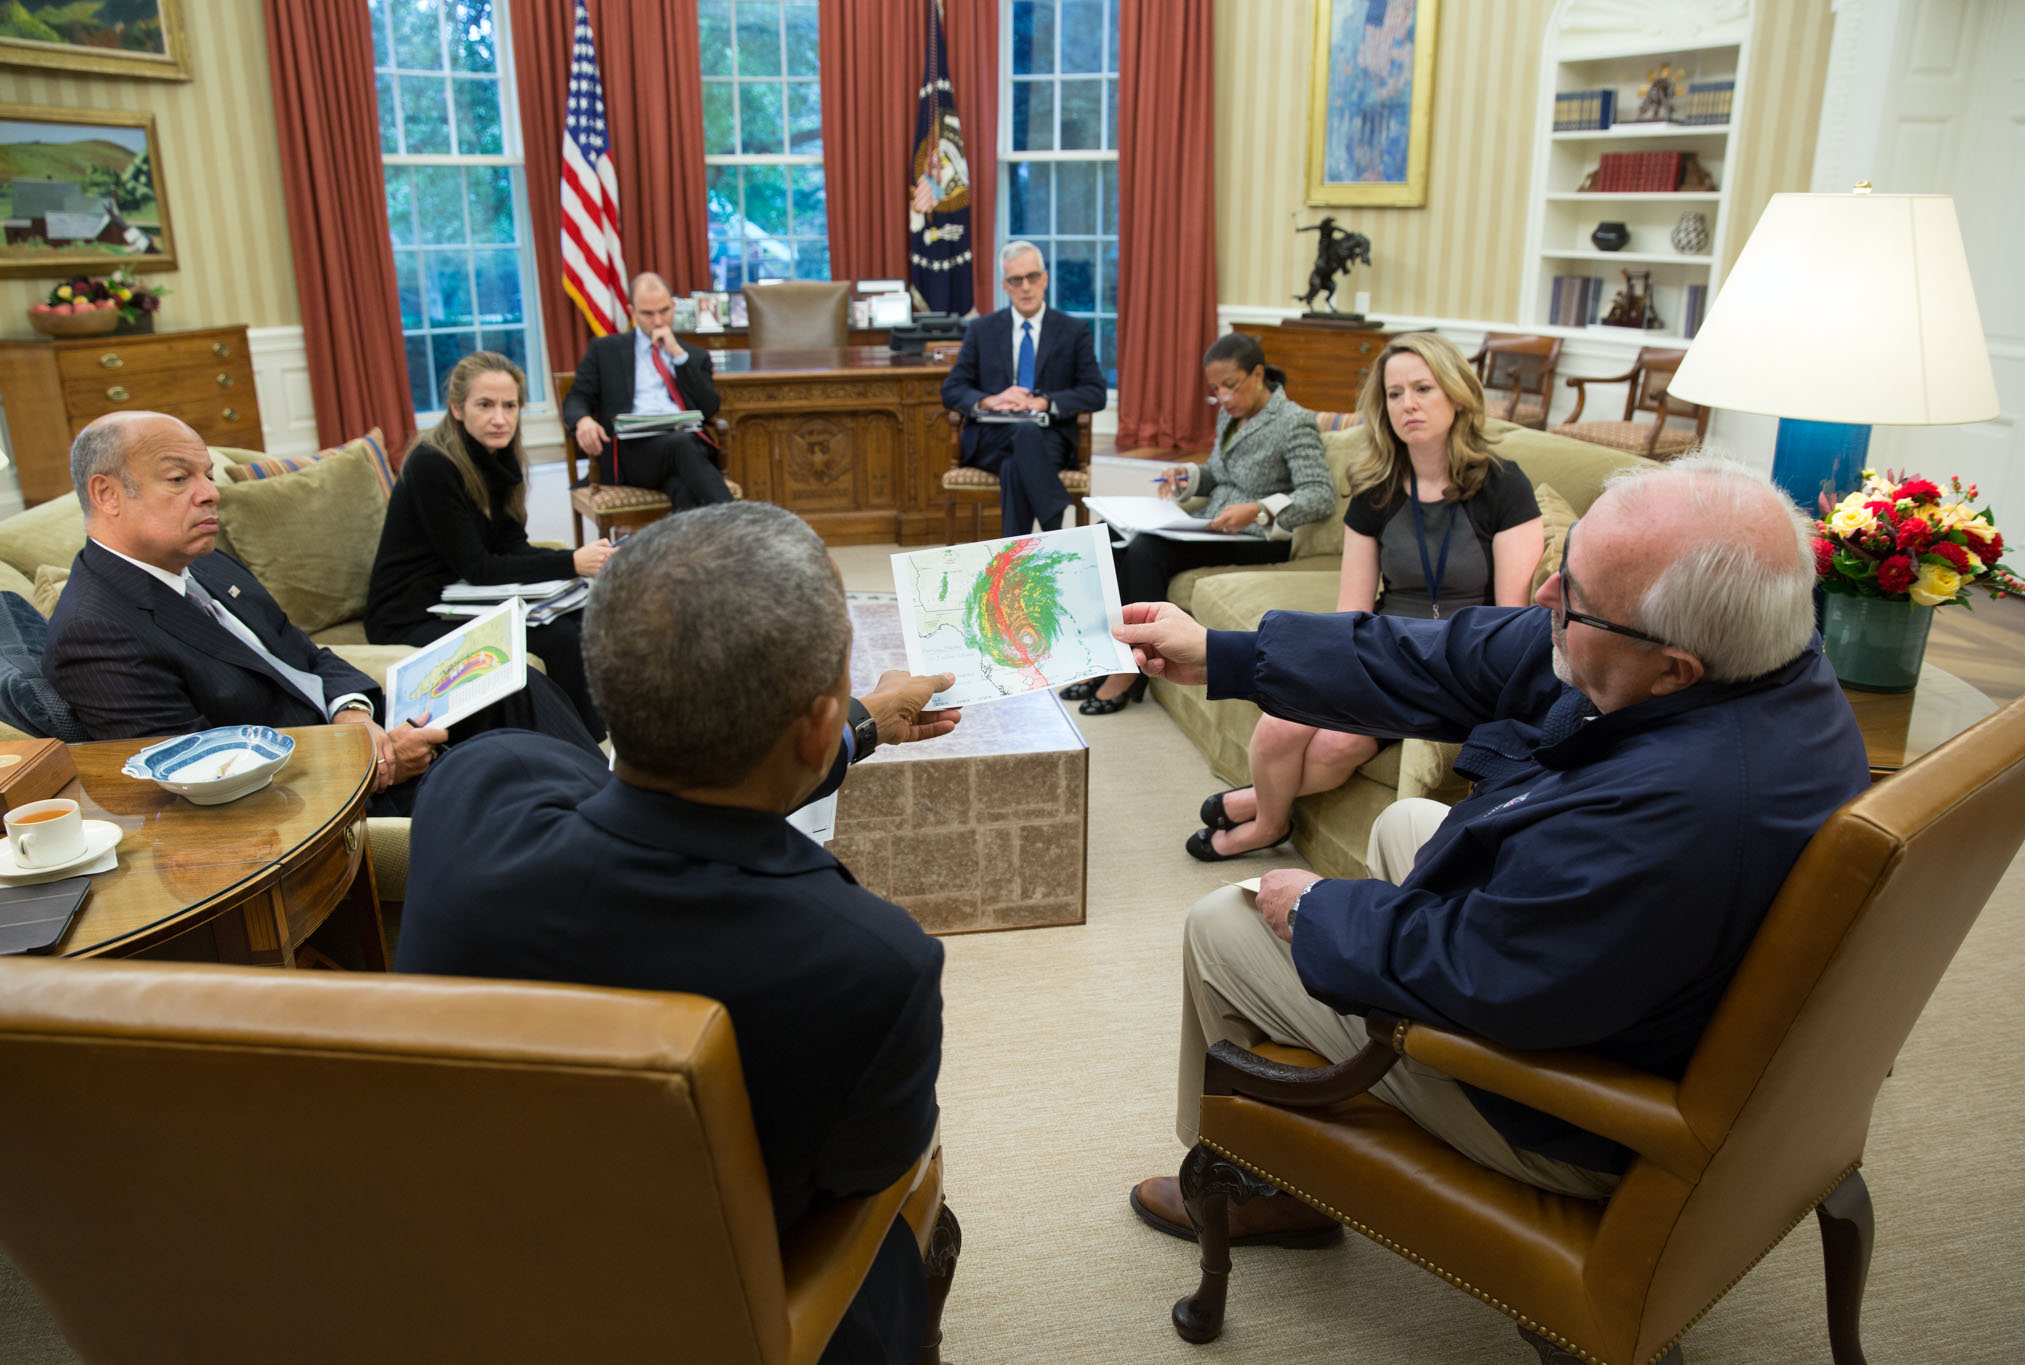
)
(156, 634)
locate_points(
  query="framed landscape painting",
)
(105, 37)
(1370, 102)
(81, 192)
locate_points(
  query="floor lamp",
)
(1844, 311)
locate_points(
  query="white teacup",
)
(45, 833)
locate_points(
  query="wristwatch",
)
(1264, 518)
(864, 731)
(355, 704)
(1295, 909)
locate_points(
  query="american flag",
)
(594, 263)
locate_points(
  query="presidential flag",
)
(939, 206)
(594, 263)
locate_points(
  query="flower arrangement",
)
(119, 290)
(1901, 538)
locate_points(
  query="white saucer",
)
(100, 838)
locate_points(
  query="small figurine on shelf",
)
(1655, 97)
(1633, 305)
(1336, 251)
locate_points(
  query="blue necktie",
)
(1026, 379)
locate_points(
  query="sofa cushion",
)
(27, 700)
(1556, 516)
(260, 466)
(49, 581)
(14, 581)
(1236, 601)
(309, 537)
(52, 533)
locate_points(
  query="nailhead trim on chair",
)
(612, 497)
(1398, 1035)
(1627, 436)
(1073, 480)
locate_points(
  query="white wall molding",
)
(281, 378)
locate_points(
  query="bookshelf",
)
(1592, 46)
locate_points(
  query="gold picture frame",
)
(1368, 128)
(100, 57)
(98, 181)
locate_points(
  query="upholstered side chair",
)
(976, 491)
(1663, 437)
(230, 1165)
(1517, 371)
(609, 505)
(1767, 1125)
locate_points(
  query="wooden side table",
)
(1898, 727)
(247, 882)
(1326, 363)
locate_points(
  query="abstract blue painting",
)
(1368, 122)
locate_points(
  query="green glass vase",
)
(1875, 645)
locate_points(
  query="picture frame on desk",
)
(51, 34)
(81, 192)
(1371, 104)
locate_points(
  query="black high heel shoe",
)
(1081, 691)
(1104, 706)
(1202, 848)
(1212, 812)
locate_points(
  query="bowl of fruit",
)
(80, 319)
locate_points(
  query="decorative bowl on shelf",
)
(92, 322)
(1611, 236)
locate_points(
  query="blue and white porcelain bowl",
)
(212, 767)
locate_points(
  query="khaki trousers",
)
(1239, 984)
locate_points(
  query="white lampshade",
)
(1847, 308)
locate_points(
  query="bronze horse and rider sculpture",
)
(1336, 250)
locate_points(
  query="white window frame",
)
(1104, 322)
(750, 159)
(512, 156)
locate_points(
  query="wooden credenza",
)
(1326, 364)
(853, 440)
(52, 387)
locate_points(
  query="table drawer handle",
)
(1364, 349)
(111, 360)
(117, 394)
(220, 349)
(224, 381)
(231, 414)
(352, 835)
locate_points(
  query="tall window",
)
(1058, 153)
(763, 141)
(456, 194)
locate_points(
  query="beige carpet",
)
(1057, 1092)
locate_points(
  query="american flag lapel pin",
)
(232, 591)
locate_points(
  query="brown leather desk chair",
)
(1517, 371)
(1657, 439)
(798, 315)
(606, 505)
(216, 1164)
(1767, 1125)
(978, 490)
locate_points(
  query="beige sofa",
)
(1332, 828)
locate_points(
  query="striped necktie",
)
(306, 683)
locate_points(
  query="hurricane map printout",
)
(1012, 616)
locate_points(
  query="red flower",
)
(1957, 555)
(1880, 508)
(1990, 550)
(1914, 533)
(1919, 490)
(1824, 557)
(1896, 574)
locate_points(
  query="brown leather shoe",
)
(1275, 1220)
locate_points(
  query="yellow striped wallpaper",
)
(1462, 255)
(220, 165)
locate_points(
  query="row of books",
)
(1577, 301)
(1639, 172)
(1697, 306)
(1577, 111)
(1706, 102)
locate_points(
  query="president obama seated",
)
(157, 634)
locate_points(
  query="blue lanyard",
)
(1433, 574)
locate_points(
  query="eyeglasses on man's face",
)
(1022, 281)
(1567, 613)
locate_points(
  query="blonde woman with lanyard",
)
(1430, 468)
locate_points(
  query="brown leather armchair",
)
(798, 315)
(1767, 1124)
(210, 1163)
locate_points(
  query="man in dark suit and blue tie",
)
(1026, 358)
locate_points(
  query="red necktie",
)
(667, 376)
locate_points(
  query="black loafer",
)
(1081, 691)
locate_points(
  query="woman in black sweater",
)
(459, 511)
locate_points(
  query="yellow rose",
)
(1977, 529)
(1936, 584)
(1851, 518)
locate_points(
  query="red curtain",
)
(1166, 221)
(970, 27)
(320, 59)
(649, 59)
(871, 64)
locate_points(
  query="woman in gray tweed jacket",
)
(1265, 477)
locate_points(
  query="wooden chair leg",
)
(1550, 1354)
(945, 1244)
(949, 521)
(1208, 1185)
(1848, 1228)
